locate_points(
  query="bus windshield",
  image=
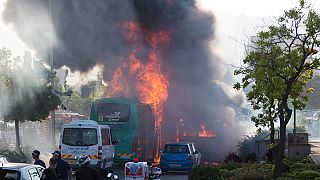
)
(113, 112)
(80, 136)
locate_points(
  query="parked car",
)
(178, 156)
(3, 159)
(20, 171)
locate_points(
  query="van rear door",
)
(107, 146)
(78, 141)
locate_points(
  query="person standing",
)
(85, 172)
(49, 173)
(37, 160)
(63, 169)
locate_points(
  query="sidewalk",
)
(315, 151)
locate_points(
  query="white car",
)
(20, 171)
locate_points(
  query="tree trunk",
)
(272, 132)
(279, 150)
(271, 119)
(16, 126)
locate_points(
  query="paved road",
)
(168, 176)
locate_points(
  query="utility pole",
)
(53, 113)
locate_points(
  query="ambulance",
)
(87, 137)
(141, 171)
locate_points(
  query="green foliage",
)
(33, 107)
(230, 166)
(247, 171)
(31, 102)
(80, 102)
(5, 79)
(255, 171)
(308, 174)
(76, 103)
(232, 157)
(14, 156)
(300, 169)
(204, 173)
(279, 63)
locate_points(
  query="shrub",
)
(14, 156)
(308, 174)
(255, 171)
(232, 157)
(230, 166)
(204, 173)
(252, 157)
(246, 171)
(286, 165)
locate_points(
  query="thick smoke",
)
(87, 33)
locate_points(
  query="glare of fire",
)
(116, 85)
(204, 133)
(150, 84)
(180, 129)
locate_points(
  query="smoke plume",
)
(88, 33)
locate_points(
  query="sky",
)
(235, 22)
(8, 38)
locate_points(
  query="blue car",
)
(179, 156)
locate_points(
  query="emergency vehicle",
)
(87, 137)
(141, 171)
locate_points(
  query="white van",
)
(87, 137)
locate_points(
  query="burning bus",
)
(132, 123)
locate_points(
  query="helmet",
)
(84, 160)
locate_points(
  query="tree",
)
(32, 107)
(5, 55)
(29, 102)
(279, 63)
(80, 102)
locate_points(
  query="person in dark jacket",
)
(49, 173)
(85, 172)
(63, 169)
(37, 160)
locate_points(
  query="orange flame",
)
(150, 84)
(204, 133)
(116, 84)
(131, 30)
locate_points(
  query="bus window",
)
(113, 112)
(105, 137)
